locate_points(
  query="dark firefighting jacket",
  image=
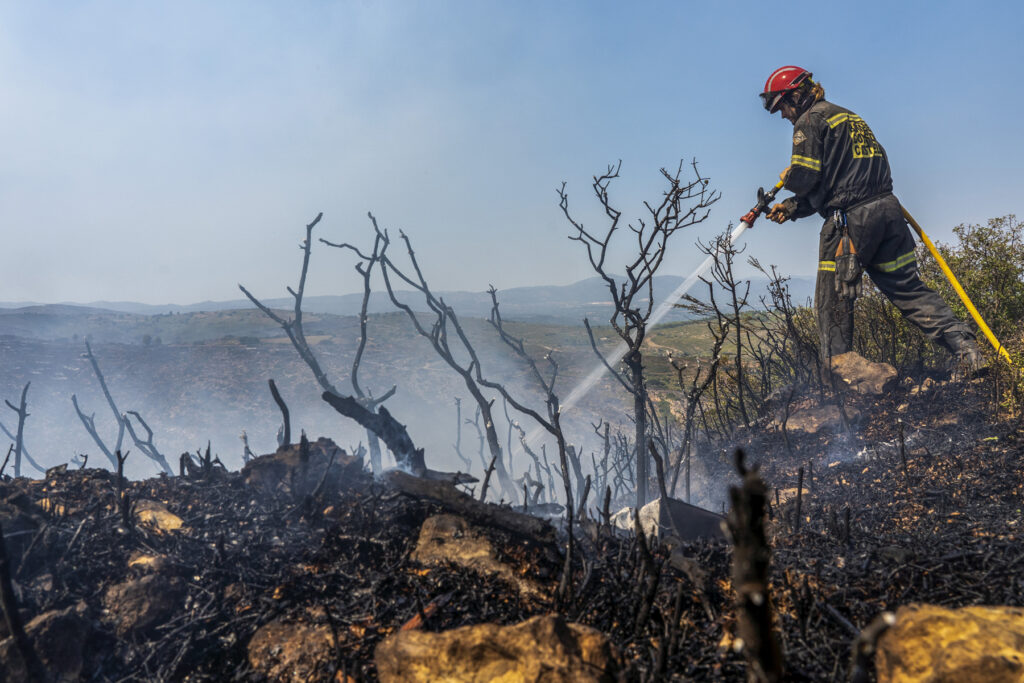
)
(836, 163)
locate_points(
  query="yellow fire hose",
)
(959, 290)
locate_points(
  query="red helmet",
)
(783, 80)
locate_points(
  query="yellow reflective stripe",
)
(838, 119)
(806, 162)
(890, 266)
(829, 266)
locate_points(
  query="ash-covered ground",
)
(286, 576)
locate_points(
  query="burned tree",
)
(123, 423)
(461, 357)
(684, 203)
(694, 393)
(293, 328)
(21, 410)
(553, 422)
(365, 270)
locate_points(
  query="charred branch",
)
(552, 422)
(286, 437)
(751, 557)
(123, 423)
(89, 422)
(365, 270)
(21, 410)
(445, 325)
(145, 445)
(381, 423)
(445, 493)
(296, 334)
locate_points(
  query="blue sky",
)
(164, 152)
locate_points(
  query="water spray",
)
(584, 387)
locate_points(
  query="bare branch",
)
(145, 445)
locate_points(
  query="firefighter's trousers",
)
(886, 250)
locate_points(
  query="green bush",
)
(988, 261)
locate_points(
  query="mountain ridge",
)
(536, 303)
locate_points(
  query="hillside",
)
(203, 376)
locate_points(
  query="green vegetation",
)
(989, 263)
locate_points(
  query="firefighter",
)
(839, 170)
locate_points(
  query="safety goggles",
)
(773, 100)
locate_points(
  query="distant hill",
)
(564, 304)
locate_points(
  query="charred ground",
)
(921, 504)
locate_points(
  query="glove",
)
(783, 211)
(749, 217)
(784, 174)
(849, 283)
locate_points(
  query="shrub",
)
(989, 263)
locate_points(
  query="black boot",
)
(970, 361)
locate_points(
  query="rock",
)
(544, 648)
(58, 638)
(140, 604)
(862, 375)
(929, 643)
(623, 519)
(448, 538)
(818, 419)
(148, 562)
(156, 516)
(292, 651)
(288, 470)
(656, 519)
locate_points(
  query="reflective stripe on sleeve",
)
(838, 119)
(806, 162)
(829, 266)
(892, 266)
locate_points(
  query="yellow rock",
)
(449, 538)
(543, 648)
(140, 560)
(929, 643)
(156, 515)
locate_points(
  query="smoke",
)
(192, 394)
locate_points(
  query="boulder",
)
(671, 517)
(148, 562)
(449, 538)
(289, 651)
(157, 516)
(292, 470)
(929, 643)
(544, 648)
(819, 419)
(138, 605)
(862, 375)
(58, 638)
